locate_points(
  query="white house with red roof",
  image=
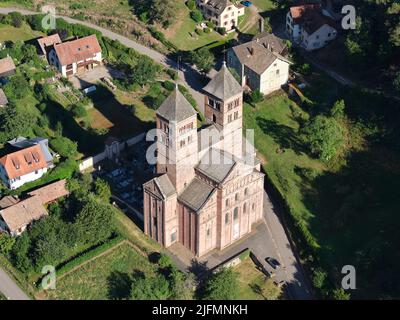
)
(310, 26)
(31, 160)
(76, 56)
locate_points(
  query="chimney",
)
(261, 21)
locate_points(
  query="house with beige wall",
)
(208, 189)
(261, 63)
(76, 56)
(310, 26)
(223, 13)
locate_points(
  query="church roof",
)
(224, 85)
(176, 107)
(196, 194)
(216, 164)
(165, 185)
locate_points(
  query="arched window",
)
(253, 206)
(227, 202)
(227, 218)
(246, 191)
(245, 207)
(236, 197)
(235, 214)
(214, 118)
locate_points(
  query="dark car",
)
(273, 263)
(247, 3)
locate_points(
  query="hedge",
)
(89, 255)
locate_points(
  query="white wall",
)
(270, 80)
(319, 38)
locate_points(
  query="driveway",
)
(90, 77)
(10, 289)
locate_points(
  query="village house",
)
(3, 98)
(223, 13)
(310, 27)
(16, 215)
(7, 67)
(76, 56)
(261, 63)
(47, 43)
(29, 163)
(208, 192)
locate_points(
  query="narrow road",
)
(10, 289)
(189, 76)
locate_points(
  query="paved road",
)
(10, 289)
(189, 76)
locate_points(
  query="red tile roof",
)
(24, 161)
(51, 192)
(7, 66)
(23, 213)
(77, 50)
(298, 11)
(48, 42)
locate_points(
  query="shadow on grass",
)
(119, 285)
(284, 136)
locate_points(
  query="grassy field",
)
(253, 284)
(9, 33)
(103, 278)
(179, 33)
(349, 205)
(263, 5)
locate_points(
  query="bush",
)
(256, 96)
(169, 85)
(64, 147)
(16, 19)
(207, 30)
(173, 74)
(196, 15)
(89, 255)
(191, 4)
(6, 243)
(79, 111)
(199, 31)
(210, 24)
(221, 30)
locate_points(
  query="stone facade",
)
(205, 196)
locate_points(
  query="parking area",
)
(90, 77)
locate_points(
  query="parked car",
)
(247, 3)
(273, 263)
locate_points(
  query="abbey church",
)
(208, 190)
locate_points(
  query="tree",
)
(396, 82)
(6, 243)
(64, 147)
(164, 11)
(222, 285)
(94, 221)
(319, 277)
(16, 19)
(20, 253)
(79, 111)
(340, 294)
(337, 110)
(102, 189)
(14, 123)
(325, 137)
(150, 288)
(256, 96)
(203, 59)
(196, 15)
(144, 72)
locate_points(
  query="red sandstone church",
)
(208, 193)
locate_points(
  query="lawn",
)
(9, 33)
(349, 206)
(179, 33)
(103, 278)
(253, 284)
(264, 5)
